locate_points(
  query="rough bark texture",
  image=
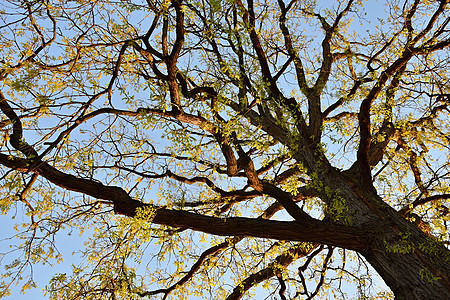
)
(413, 264)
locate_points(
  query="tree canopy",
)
(225, 148)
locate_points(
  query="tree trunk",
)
(413, 264)
(411, 275)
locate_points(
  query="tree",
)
(214, 147)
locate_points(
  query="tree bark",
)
(413, 264)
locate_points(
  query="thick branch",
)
(16, 137)
(173, 58)
(286, 200)
(310, 230)
(364, 116)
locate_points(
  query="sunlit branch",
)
(421, 201)
(341, 100)
(172, 59)
(431, 22)
(413, 165)
(4, 72)
(282, 287)
(223, 194)
(322, 276)
(314, 103)
(364, 116)
(16, 138)
(274, 268)
(211, 252)
(340, 116)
